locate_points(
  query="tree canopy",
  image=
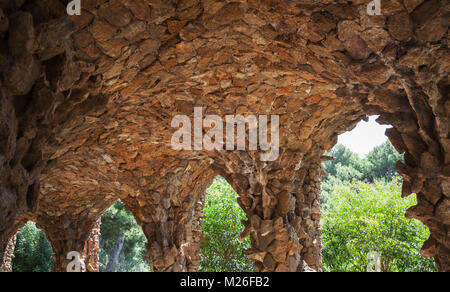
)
(364, 218)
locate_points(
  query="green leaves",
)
(348, 166)
(371, 217)
(222, 251)
(132, 257)
(33, 252)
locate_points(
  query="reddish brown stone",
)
(115, 13)
(400, 26)
(102, 31)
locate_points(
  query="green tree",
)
(117, 224)
(365, 218)
(343, 156)
(222, 251)
(382, 160)
(33, 252)
(378, 164)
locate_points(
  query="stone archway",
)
(168, 212)
(282, 205)
(22, 253)
(86, 104)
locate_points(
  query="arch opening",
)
(32, 250)
(222, 249)
(363, 222)
(122, 242)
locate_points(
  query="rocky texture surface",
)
(6, 264)
(86, 105)
(92, 249)
(168, 211)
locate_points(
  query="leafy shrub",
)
(365, 218)
(222, 251)
(33, 252)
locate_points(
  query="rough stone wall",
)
(308, 207)
(6, 265)
(34, 36)
(195, 238)
(86, 105)
(92, 249)
(168, 212)
(282, 204)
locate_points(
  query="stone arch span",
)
(86, 104)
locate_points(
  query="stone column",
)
(92, 249)
(174, 241)
(72, 234)
(308, 208)
(6, 264)
(170, 249)
(196, 236)
(283, 210)
(170, 215)
(433, 208)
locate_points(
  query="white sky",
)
(364, 137)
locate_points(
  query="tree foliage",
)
(33, 252)
(378, 164)
(365, 218)
(116, 220)
(382, 160)
(222, 251)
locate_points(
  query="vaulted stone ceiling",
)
(87, 103)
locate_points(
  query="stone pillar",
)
(72, 234)
(308, 208)
(27, 104)
(170, 214)
(287, 237)
(168, 253)
(433, 209)
(174, 242)
(92, 249)
(283, 211)
(6, 264)
(196, 237)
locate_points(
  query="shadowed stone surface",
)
(6, 265)
(86, 105)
